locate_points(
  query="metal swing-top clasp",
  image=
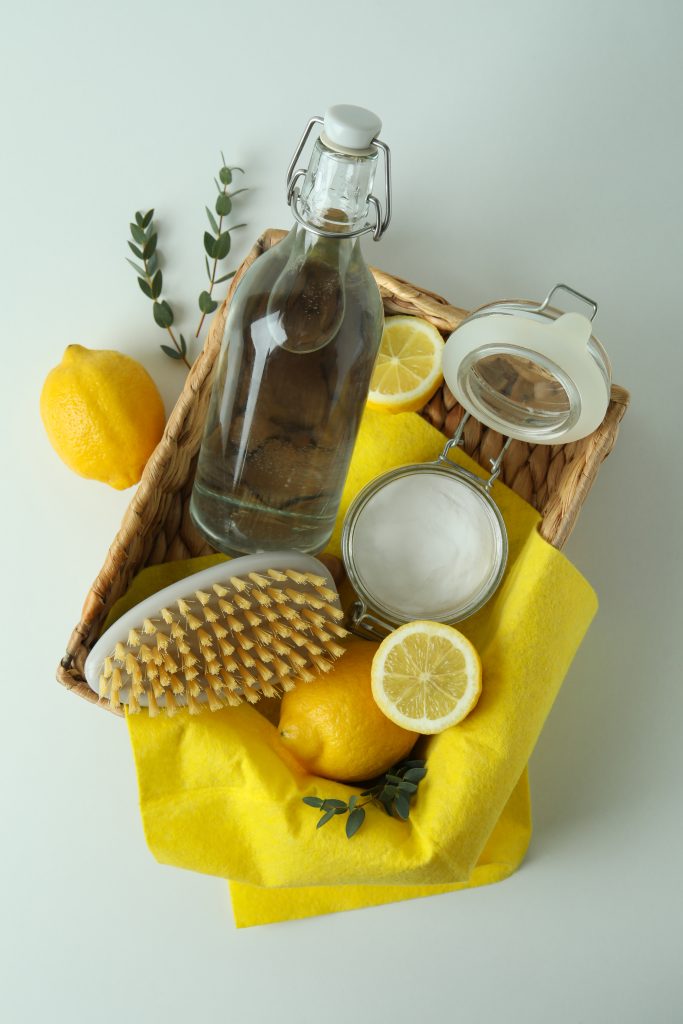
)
(456, 440)
(382, 219)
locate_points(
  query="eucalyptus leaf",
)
(413, 764)
(225, 174)
(138, 234)
(136, 268)
(407, 787)
(136, 252)
(354, 821)
(353, 800)
(313, 801)
(146, 220)
(139, 219)
(237, 191)
(206, 303)
(183, 345)
(218, 185)
(157, 281)
(223, 205)
(144, 285)
(386, 802)
(208, 268)
(226, 277)
(402, 806)
(170, 352)
(415, 774)
(163, 314)
(212, 219)
(222, 246)
(210, 245)
(150, 246)
(333, 804)
(327, 816)
(395, 779)
(153, 263)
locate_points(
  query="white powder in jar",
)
(425, 545)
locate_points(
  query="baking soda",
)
(424, 545)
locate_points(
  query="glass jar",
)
(522, 368)
(424, 541)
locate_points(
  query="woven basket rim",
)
(159, 478)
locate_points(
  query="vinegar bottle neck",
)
(336, 189)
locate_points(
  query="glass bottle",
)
(299, 347)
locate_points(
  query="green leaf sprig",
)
(393, 793)
(217, 245)
(144, 247)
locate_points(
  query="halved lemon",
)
(426, 676)
(408, 367)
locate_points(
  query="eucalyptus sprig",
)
(144, 247)
(217, 245)
(393, 793)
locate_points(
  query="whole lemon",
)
(333, 727)
(103, 414)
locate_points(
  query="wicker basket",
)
(157, 527)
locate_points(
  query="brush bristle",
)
(261, 635)
(171, 705)
(215, 704)
(258, 579)
(152, 706)
(317, 581)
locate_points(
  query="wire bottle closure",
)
(382, 218)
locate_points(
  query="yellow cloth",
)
(219, 795)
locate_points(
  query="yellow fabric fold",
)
(220, 795)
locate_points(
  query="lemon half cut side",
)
(426, 676)
(407, 371)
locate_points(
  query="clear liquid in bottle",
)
(300, 344)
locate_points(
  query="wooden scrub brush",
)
(253, 626)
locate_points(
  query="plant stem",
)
(215, 261)
(175, 342)
(169, 329)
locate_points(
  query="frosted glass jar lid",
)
(530, 371)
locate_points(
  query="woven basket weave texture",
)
(157, 527)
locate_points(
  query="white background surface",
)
(532, 142)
